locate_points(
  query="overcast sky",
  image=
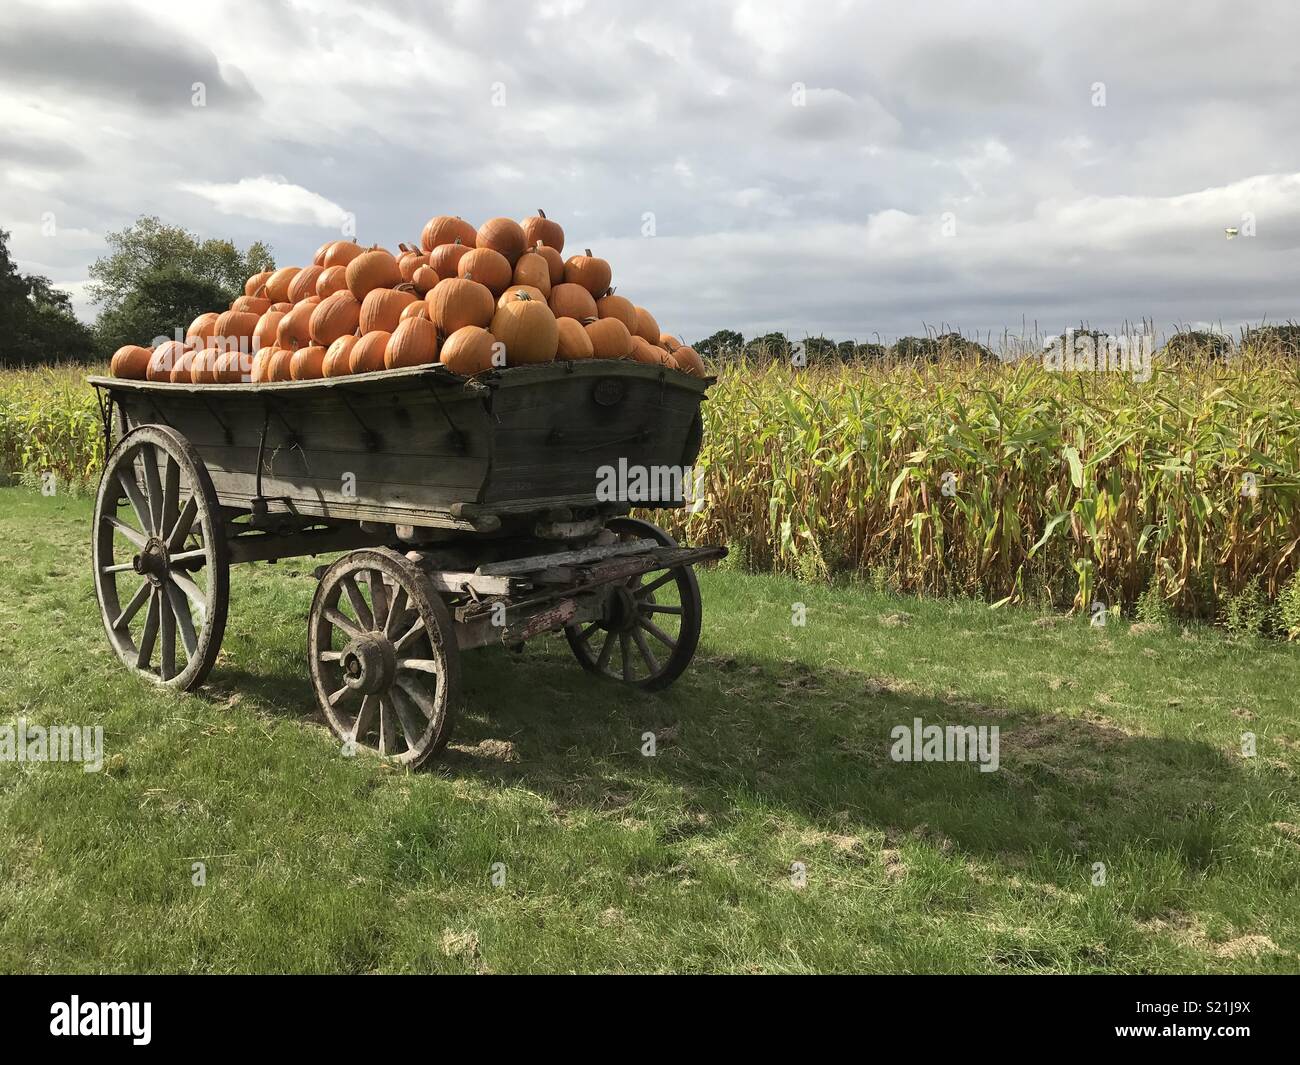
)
(838, 168)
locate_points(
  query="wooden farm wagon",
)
(468, 510)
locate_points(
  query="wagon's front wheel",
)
(651, 624)
(384, 658)
(162, 563)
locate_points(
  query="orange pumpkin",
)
(532, 269)
(487, 267)
(341, 252)
(294, 330)
(445, 258)
(609, 338)
(669, 342)
(409, 261)
(164, 358)
(590, 272)
(553, 262)
(469, 350)
(414, 343)
(334, 317)
(371, 270)
(232, 368)
(644, 351)
(368, 352)
(256, 282)
(509, 294)
(130, 361)
(338, 357)
(382, 309)
(689, 362)
(278, 368)
(306, 363)
(266, 329)
(526, 326)
(319, 258)
(261, 365)
(456, 302)
(203, 326)
(504, 236)
(183, 368)
(236, 329)
(446, 229)
(645, 326)
(572, 301)
(277, 285)
(540, 228)
(574, 342)
(418, 309)
(258, 305)
(304, 283)
(611, 306)
(332, 279)
(424, 278)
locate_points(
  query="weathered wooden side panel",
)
(408, 445)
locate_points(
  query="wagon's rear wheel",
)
(162, 564)
(384, 659)
(651, 626)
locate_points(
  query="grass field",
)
(1118, 746)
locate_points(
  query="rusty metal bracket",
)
(374, 442)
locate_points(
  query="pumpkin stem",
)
(540, 214)
(587, 252)
(458, 240)
(520, 294)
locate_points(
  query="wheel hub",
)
(152, 561)
(369, 664)
(622, 610)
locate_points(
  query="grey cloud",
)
(112, 51)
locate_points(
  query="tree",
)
(721, 344)
(768, 346)
(148, 247)
(161, 301)
(36, 319)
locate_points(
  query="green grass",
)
(1118, 746)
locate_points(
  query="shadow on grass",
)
(814, 747)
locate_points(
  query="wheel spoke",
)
(423, 665)
(195, 593)
(184, 522)
(339, 620)
(149, 456)
(657, 583)
(387, 727)
(337, 697)
(420, 695)
(137, 538)
(117, 567)
(171, 494)
(378, 599)
(606, 649)
(365, 716)
(651, 662)
(167, 649)
(396, 611)
(660, 608)
(358, 601)
(150, 633)
(408, 716)
(189, 556)
(658, 633)
(133, 607)
(331, 656)
(585, 634)
(409, 637)
(625, 652)
(126, 478)
(181, 609)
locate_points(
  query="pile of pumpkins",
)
(474, 300)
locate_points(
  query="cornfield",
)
(960, 477)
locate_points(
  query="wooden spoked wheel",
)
(384, 659)
(651, 624)
(162, 563)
